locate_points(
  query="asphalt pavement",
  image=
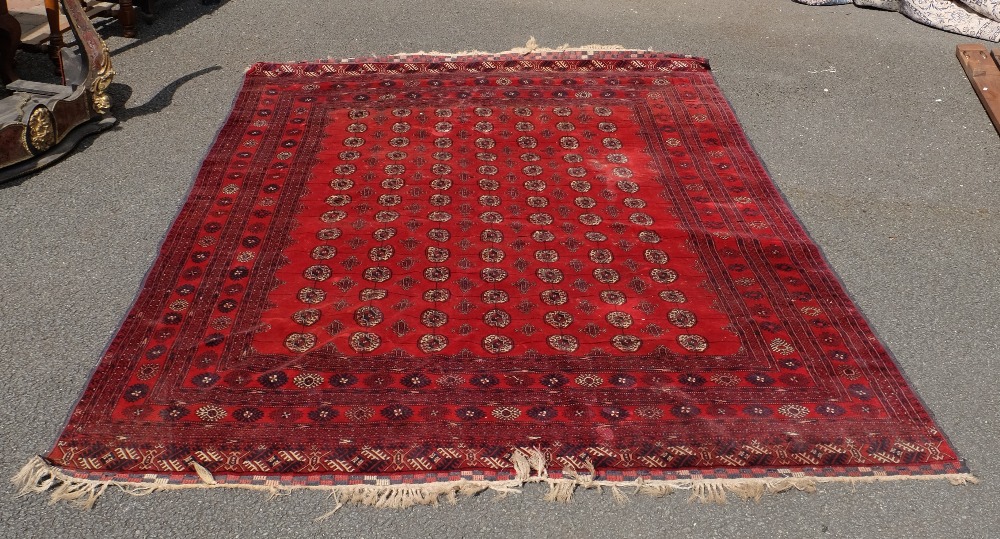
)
(864, 119)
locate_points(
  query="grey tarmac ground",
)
(864, 118)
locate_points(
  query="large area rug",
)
(403, 278)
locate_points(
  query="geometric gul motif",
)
(532, 233)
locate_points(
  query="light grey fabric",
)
(973, 18)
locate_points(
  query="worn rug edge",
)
(38, 476)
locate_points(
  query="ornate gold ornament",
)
(41, 129)
(102, 79)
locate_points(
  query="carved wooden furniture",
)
(10, 40)
(40, 122)
(126, 15)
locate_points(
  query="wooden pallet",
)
(984, 74)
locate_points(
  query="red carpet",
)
(433, 274)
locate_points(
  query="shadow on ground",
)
(166, 18)
(121, 93)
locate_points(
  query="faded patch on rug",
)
(407, 277)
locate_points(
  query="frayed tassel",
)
(471, 489)
(337, 504)
(581, 480)
(748, 490)
(404, 496)
(656, 491)
(560, 490)
(783, 485)
(81, 495)
(530, 47)
(715, 491)
(522, 467)
(278, 492)
(203, 474)
(962, 479)
(708, 492)
(39, 476)
(618, 496)
(537, 460)
(33, 477)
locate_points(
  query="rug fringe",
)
(530, 47)
(38, 476)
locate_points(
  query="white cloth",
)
(973, 18)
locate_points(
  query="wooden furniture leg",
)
(126, 15)
(10, 39)
(55, 34)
